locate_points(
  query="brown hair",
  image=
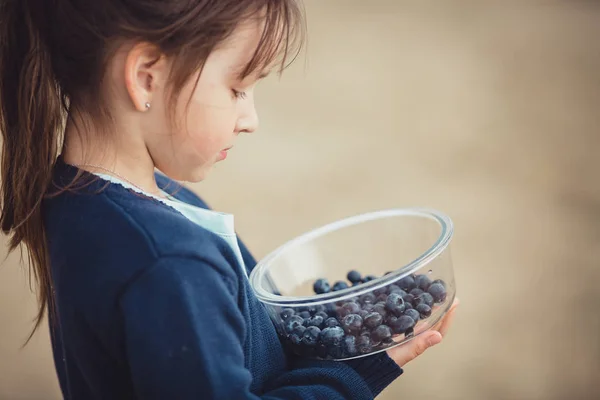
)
(53, 57)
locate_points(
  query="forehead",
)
(240, 47)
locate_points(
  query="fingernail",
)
(434, 339)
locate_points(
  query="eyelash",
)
(238, 94)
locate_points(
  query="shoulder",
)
(100, 243)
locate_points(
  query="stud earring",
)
(147, 105)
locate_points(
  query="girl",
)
(146, 288)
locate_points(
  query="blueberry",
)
(316, 321)
(393, 300)
(363, 344)
(315, 309)
(352, 323)
(441, 282)
(381, 334)
(321, 286)
(340, 286)
(390, 320)
(416, 292)
(286, 313)
(373, 320)
(422, 282)
(381, 298)
(336, 351)
(438, 292)
(363, 313)
(407, 283)
(409, 298)
(369, 278)
(380, 309)
(402, 324)
(365, 332)
(296, 335)
(350, 308)
(331, 309)
(299, 330)
(295, 339)
(322, 314)
(407, 306)
(398, 310)
(350, 346)
(357, 283)
(414, 314)
(304, 314)
(395, 304)
(382, 290)
(368, 298)
(311, 336)
(394, 289)
(425, 298)
(424, 310)
(331, 322)
(293, 322)
(321, 350)
(354, 276)
(368, 307)
(332, 336)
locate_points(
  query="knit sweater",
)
(150, 305)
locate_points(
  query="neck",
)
(121, 156)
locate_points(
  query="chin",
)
(191, 175)
(195, 175)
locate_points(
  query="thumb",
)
(411, 350)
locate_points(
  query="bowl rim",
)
(258, 273)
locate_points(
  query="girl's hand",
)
(411, 350)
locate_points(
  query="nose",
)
(248, 118)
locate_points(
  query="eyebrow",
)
(264, 74)
(237, 71)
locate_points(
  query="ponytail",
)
(53, 60)
(31, 118)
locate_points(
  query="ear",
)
(145, 73)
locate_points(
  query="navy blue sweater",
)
(152, 306)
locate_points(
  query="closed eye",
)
(238, 94)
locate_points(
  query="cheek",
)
(209, 129)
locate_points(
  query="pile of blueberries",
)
(364, 324)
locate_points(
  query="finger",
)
(446, 322)
(448, 319)
(411, 350)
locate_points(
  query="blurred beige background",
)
(488, 111)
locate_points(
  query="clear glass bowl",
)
(406, 287)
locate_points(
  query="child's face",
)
(220, 107)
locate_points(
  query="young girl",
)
(146, 288)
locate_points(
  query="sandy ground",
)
(489, 111)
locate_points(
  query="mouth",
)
(223, 153)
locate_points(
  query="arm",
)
(184, 334)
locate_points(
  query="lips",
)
(223, 154)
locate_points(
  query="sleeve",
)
(184, 334)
